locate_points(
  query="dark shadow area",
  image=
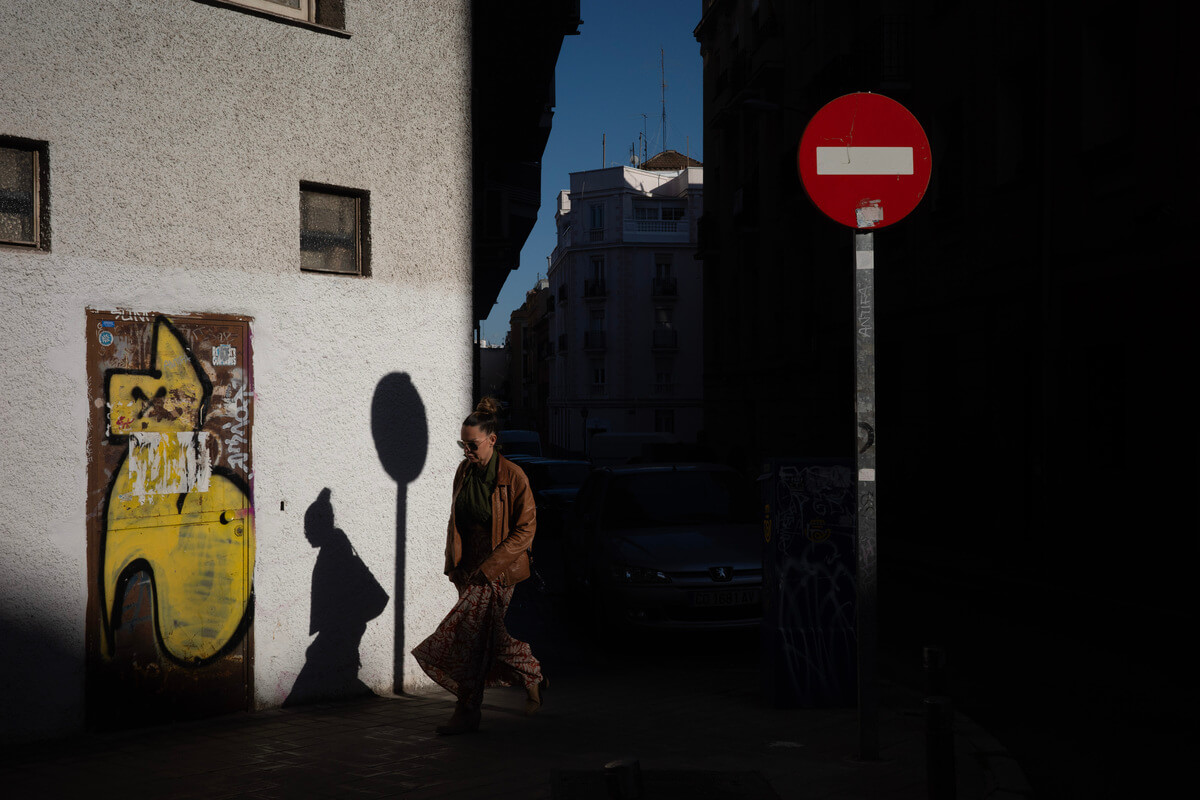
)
(401, 433)
(345, 597)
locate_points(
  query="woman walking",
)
(492, 522)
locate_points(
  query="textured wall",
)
(178, 135)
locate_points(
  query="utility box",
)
(809, 646)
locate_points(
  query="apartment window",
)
(674, 212)
(663, 318)
(662, 265)
(664, 377)
(328, 16)
(596, 212)
(664, 420)
(24, 194)
(598, 269)
(598, 378)
(596, 321)
(333, 226)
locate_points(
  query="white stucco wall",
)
(178, 135)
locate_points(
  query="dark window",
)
(333, 224)
(24, 194)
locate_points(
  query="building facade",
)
(529, 364)
(237, 256)
(627, 290)
(1003, 330)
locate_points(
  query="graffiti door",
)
(170, 523)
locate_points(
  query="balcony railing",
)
(664, 388)
(594, 289)
(593, 340)
(664, 287)
(665, 339)
(656, 230)
(599, 390)
(596, 235)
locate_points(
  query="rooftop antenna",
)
(603, 152)
(662, 65)
(644, 138)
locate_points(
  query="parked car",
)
(520, 442)
(667, 546)
(555, 483)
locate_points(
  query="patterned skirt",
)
(471, 649)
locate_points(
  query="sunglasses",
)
(472, 446)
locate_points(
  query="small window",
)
(333, 225)
(596, 211)
(325, 16)
(295, 9)
(664, 420)
(24, 195)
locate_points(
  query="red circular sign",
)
(864, 160)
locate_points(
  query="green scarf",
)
(474, 505)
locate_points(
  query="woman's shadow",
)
(345, 597)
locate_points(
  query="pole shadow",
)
(345, 597)
(400, 429)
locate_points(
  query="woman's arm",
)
(522, 520)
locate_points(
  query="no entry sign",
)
(864, 160)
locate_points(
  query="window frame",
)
(322, 16)
(362, 219)
(41, 193)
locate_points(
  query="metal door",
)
(170, 523)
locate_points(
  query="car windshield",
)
(684, 497)
(559, 476)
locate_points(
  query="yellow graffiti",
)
(190, 525)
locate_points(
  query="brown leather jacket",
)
(514, 520)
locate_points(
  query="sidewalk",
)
(696, 723)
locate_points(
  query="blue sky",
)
(608, 77)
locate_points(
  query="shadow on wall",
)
(401, 432)
(345, 597)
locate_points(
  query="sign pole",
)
(864, 161)
(864, 380)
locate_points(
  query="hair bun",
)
(488, 405)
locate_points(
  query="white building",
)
(236, 256)
(627, 315)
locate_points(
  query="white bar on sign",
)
(864, 161)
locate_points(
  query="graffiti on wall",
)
(171, 524)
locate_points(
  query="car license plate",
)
(726, 597)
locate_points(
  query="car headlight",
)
(624, 573)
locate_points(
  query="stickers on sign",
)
(224, 355)
(106, 338)
(108, 323)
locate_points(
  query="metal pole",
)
(864, 379)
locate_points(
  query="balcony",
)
(594, 340)
(665, 339)
(664, 288)
(594, 290)
(596, 235)
(664, 389)
(599, 390)
(656, 230)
